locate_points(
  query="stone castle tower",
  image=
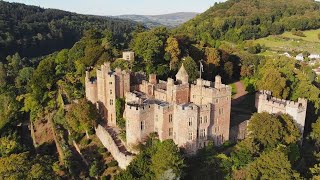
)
(190, 114)
(104, 91)
(266, 103)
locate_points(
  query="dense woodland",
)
(35, 90)
(33, 31)
(238, 20)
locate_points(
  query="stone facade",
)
(266, 103)
(128, 56)
(190, 114)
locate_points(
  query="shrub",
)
(113, 164)
(298, 33)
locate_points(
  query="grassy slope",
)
(289, 42)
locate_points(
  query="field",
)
(287, 42)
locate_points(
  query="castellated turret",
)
(217, 82)
(297, 110)
(191, 115)
(108, 86)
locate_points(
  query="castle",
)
(189, 114)
(266, 103)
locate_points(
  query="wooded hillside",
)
(33, 31)
(238, 20)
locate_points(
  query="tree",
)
(267, 82)
(148, 46)
(191, 68)
(8, 146)
(121, 122)
(156, 160)
(270, 130)
(24, 77)
(82, 116)
(14, 64)
(9, 108)
(167, 158)
(212, 56)
(315, 134)
(271, 165)
(172, 47)
(96, 169)
(15, 166)
(228, 69)
(3, 76)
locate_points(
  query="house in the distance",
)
(287, 55)
(128, 56)
(317, 70)
(314, 56)
(300, 57)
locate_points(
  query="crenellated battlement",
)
(266, 96)
(266, 103)
(164, 107)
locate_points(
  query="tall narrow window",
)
(110, 91)
(190, 122)
(205, 119)
(170, 131)
(170, 118)
(111, 102)
(201, 120)
(142, 125)
(190, 136)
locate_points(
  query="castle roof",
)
(182, 72)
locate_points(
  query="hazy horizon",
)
(123, 7)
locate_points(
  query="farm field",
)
(287, 42)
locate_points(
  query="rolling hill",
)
(238, 20)
(33, 31)
(169, 20)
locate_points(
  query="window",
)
(111, 102)
(170, 131)
(200, 119)
(202, 133)
(205, 119)
(217, 101)
(110, 83)
(190, 136)
(110, 91)
(190, 122)
(170, 118)
(220, 111)
(142, 125)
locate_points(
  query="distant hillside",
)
(34, 31)
(237, 20)
(169, 20)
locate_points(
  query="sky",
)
(120, 7)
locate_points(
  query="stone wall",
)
(123, 159)
(297, 110)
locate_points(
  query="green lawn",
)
(287, 42)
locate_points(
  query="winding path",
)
(241, 92)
